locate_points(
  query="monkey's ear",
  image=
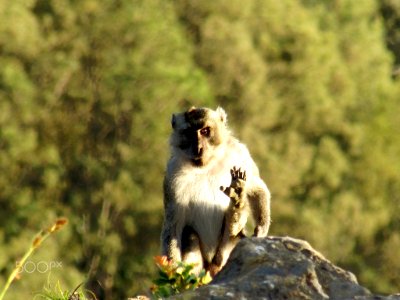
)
(192, 108)
(222, 114)
(173, 121)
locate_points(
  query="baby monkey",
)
(202, 221)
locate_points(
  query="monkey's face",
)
(197, 134)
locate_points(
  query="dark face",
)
(198, 137)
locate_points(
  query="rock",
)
(281, 268)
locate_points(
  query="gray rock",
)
(281, 268)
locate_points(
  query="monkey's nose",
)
(200, 151)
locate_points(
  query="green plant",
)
(37, 241)
(176, 277)
(58, 293)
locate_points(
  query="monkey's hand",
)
(235, 190)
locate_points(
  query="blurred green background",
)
(87, 89)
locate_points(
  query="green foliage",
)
(86, 94)
(175, 278)
(56, 292)
(390, 10)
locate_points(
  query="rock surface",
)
(281, 268)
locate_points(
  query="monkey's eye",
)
(205, 131)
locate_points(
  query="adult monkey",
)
(199, 221)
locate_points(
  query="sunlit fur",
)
(192, 195)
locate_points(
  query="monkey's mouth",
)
(198, 162)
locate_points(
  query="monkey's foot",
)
(235, 190)
(214, 269)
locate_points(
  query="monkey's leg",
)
(218, 258)
(224, 249)
(191, 249)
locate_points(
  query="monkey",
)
(199, 219)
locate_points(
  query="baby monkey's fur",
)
(210, 185)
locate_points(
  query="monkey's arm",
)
(234, 220)
(259, 201)
(236, 214)
(170, 240)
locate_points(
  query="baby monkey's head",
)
(198, 133)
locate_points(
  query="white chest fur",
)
(199, 201)
(204, 204)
